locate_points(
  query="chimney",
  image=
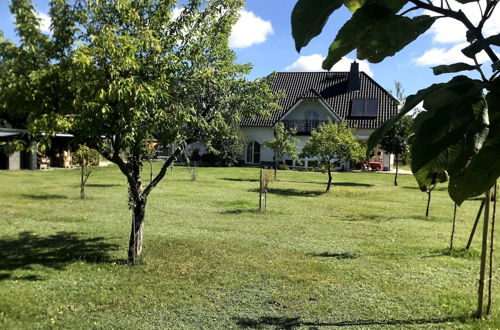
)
(353, 78)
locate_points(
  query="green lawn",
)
(363, 256)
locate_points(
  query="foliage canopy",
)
(117, 74)
(283, 144)
(332, 142)
(459, 131)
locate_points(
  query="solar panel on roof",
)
(358, 107)
(364, 108)
(332, 88)
(371, 108)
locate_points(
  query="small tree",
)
(124, 72)
(265, 182)
(88, 160)
(332, 142)
(283, 144)
(397, 140)
(227, 147)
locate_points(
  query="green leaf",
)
(411, 102)
(456, 67)
(354, 5)
(479, 45)
(479, 175)
(484, 169)
(450, 132)
(309, 17)
(371, 30)
(496, 66)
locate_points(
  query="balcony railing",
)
(304, 127)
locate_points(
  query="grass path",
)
(363, 256)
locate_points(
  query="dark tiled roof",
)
(331, 87)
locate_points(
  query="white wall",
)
(260, 135)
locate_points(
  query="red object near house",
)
(376, 166)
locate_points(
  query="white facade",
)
(304, 111)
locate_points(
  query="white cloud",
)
(452, 32)
(45, 21)
(448, 30)
(249, 30)
(437, 56)
(313, 63)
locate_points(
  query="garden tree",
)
(397, 140)
(332, 142)
(459, 131)
(133, 76)
(149, 155)
(453, 225)
(283, 144)
(435, 179)
(88, 160)
(227, 146)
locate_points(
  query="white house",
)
(313, 98)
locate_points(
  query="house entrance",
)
(253, 153)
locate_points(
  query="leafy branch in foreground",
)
(459, 131)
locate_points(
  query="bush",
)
(283, 167)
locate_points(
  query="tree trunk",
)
(429, 193)
(473, 231)
(397, 170)
(136, 233)
(275, 168)
(453, 227)
(82, 183)
(492, 240)
(260, 191)
(484, 249)
(329, 178)
(150, 170)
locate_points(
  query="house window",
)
(312, 120)
(364, 108)
(253, 153)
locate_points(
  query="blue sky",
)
(262, 36)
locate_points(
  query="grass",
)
(363, 256)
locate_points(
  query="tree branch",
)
(163, 170)
(116, 159)
(478, 68)
(459, 16)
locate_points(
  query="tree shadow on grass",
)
(102, 185)
(240, 180)
(292, 192)
(365, 217)
(351, 184)
(435, 189)
(31, 278)
(295, 322)
(462, 253)
(55, 251)
(239, 211)
(339, 256)
(44, 197)
(338, 184)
